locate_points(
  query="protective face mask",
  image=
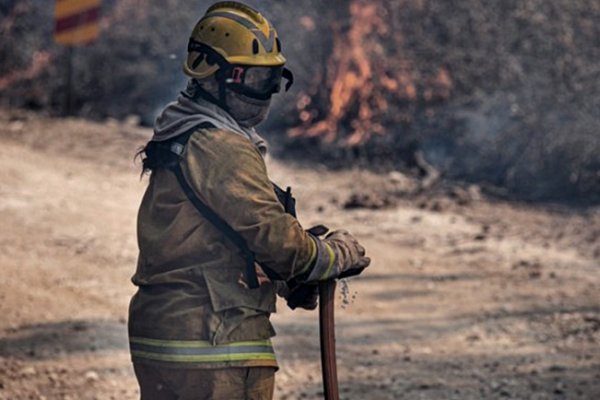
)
(246, 111)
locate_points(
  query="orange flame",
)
(364, 80)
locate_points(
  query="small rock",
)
(437, 206)
(132, 120)
(371, 201)
(461, 196)
(397, 177)
(557, 368)
(535, 274)
(473, 338)
(79, 326)
(474, 192)
(91, 376)
(28, 371)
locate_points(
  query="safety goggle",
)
(254, 81)
(258, 81)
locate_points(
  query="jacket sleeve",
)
(229, 174)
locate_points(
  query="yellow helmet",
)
(231, 33)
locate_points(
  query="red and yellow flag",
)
(76, 21)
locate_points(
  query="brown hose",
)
(327, 335)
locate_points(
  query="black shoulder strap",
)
(177, 147)
(223, 226)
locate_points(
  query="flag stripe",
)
(76, 20)
(65, 8)
(81, 35)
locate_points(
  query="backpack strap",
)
(223, 226)
(177, 146)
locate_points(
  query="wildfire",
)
(365, 80)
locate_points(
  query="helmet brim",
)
(267, 60)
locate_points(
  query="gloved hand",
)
(339, 255)
(350, 255)
(303, 295)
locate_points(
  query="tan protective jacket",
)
(190, 309)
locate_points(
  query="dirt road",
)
(483, 300)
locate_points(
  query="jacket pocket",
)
(241, 314)
(226, 292)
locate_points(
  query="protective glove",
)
(350, 255)
(303, 295)
(339, 255)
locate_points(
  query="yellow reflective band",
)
(202, 351)
(195, 343)
(331, 262)
(205, 358)
(313, 255)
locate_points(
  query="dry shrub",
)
(504, 93)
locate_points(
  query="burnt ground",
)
(465, 299)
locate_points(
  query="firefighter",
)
(216, 237)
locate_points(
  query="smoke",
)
(502, 93)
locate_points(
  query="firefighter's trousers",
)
(156, 383)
